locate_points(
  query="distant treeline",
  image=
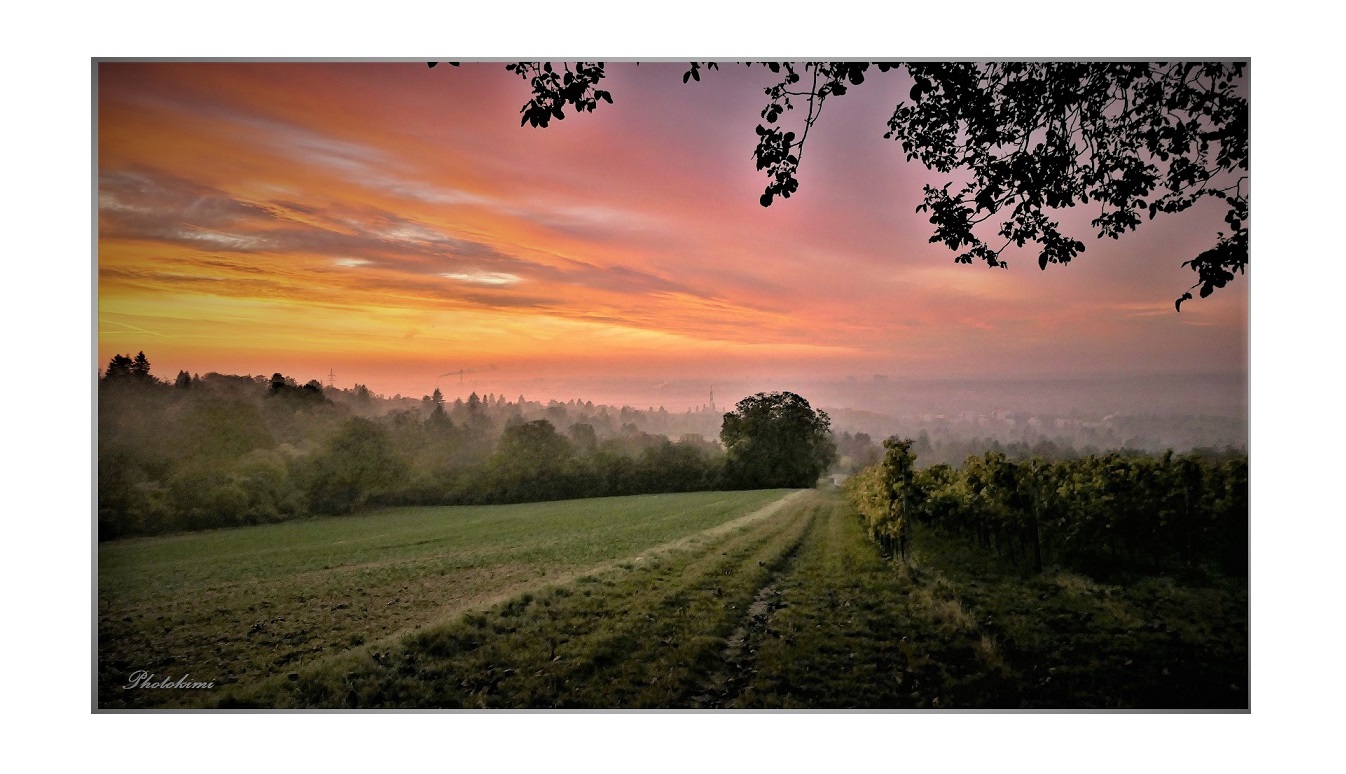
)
(219, 451)
(1095, 514)
(222, 451)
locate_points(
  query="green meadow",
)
(239, 605)
(767, 599)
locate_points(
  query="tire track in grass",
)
(802, 652)
(830, 638)
(631, 635)
(724, 686)
(679, 631)
(706, 537)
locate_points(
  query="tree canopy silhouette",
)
(124, 367)
(1019, 141)
(776, 440)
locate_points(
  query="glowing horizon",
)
(392, 223)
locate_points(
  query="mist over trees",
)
(219, 450)
(859, 450)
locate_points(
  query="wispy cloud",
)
(393, 255)
(483, 277)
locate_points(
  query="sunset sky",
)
(392, 223)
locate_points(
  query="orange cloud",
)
(396, 218)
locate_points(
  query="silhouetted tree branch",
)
(553, 89)
(1028, 139)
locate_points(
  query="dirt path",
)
(739, 656)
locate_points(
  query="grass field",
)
(235, 606)
(696, 601)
